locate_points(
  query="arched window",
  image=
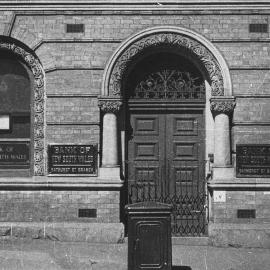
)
(15, 116)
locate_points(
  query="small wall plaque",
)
(14, 154)
(253, 160)
(219, 196)
(72, 159)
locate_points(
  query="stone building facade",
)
(172, 96)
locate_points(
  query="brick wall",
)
(74, 64)
(245, 54)
(5, 21)
(227, 212)
(75, 54)
(30, 29)
(72, 110)
(250, 82)
(56, 206)
(252, 109)
(72, 134)
(74, 82)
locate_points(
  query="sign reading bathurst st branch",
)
(72, 159)
(253, 160)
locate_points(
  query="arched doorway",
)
(165, 135)
(200, 57)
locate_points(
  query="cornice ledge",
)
(67, 183)
(233, 184)
(134, 5)
(136, 2)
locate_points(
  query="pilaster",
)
(109, 164)
(222, 108)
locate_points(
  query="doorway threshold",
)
(190, 241)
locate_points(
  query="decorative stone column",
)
(222, 108)
(109, 165)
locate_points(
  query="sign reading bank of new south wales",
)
(72, 159)
(14, 154)
(253, 160)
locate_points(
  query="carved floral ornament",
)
(35, 66)
(222, 106)
(172, 39)
(109, 106)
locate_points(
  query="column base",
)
(112, 173)
(220, 173)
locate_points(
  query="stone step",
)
(187, 241)
(190, 241)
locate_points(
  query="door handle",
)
(136, 244)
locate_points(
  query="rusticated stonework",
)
(222, 106)
(109, 106)
(33, 63)
(177, 40)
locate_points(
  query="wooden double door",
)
(166, 164)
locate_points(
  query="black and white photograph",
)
(134, 135)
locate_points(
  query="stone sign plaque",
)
(253, 160)
(14, 154)
(72, 159)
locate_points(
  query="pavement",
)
(37, 254)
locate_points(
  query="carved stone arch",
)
(199, 46)
(30, 59)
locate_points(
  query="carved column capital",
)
(222, 105)
(109, 105)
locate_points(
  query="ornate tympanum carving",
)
(174, 40)
(33, 63)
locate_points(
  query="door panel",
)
(185, 150)
(166, 163)
(145, 154)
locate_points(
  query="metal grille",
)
(170, 84)
(258, 28)
(188, 200)
(75, 28)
